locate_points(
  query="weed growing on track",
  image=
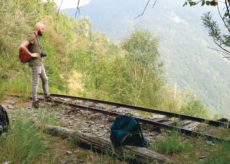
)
(171, 145)
(48, 117)
(219, 154)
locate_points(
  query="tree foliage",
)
(127, 72)
(220, 37)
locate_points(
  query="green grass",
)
(82, 155)
(48, 117)
(73, 142)
(16, 85)
(24, 143)
(219, 154)
(21, 85)
(172, 145)
(105, 158)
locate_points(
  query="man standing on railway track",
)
(36, 63)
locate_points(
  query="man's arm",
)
(23, 47)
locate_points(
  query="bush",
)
(195, 108)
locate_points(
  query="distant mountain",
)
(189, 62)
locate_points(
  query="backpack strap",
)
(37, 40)
(34, 38)
(140, 131)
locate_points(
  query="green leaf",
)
(192, 3)
(185, 4)
(226, 14)
(208, 3)
(203, 2)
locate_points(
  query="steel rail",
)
(169, 114)
(152, 122)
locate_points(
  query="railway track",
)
(155, 111)
(167, 122)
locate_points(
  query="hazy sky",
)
(70, 3)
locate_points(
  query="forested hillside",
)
(84, 62)
(189, 63)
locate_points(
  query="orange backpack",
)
(23, 56)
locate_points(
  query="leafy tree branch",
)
(221, 39)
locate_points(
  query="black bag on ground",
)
(127, 131)
(4, 120)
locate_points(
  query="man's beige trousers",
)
(39, 72)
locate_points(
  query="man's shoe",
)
(48, 97)
(35, 104)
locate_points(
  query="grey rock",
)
(111, 119)
(136, 114)
(86, 129)
(145, 131)
(101, 126)
(149, 139)
(13, 102)
(210, 142)
(46, 142)
(6, 162)
(153, 133)
(63, 162)
(10, 106)
(68, 152)
(105, 131)
(212, 130)
(160, 137)
(74, 159)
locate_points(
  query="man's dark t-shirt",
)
(34, 48)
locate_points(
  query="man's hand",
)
(35, 55)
